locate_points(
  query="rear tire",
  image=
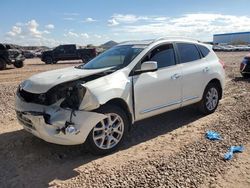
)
(109, 133)
(210, 99)
(245, 75)
(48, 60)
(2, 64)
(18, 64)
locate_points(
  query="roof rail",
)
(175, 37)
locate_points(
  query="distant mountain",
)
(108, 44)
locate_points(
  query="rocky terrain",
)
(169, 150)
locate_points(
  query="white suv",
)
(98, 102)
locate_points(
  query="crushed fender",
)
(232, 150)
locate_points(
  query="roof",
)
(137, 42)
(239, 33)
(148, 42)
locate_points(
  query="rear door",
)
(194, 72)
(159, 91)
(70, 52)
(59, 53)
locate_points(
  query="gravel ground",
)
(164, 151)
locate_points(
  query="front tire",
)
(109, 133)
(2, 64)
(18, 64)
(210, 99)
(48, 60)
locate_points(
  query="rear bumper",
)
(245, 66)
(47, 122)
(245, 69)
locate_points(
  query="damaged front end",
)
(61, 115)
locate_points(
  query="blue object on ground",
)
(212, 135)
(233, 149)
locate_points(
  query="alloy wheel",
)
(212, 98)
(108, 132)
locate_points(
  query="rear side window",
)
(188, 52)
(2, 47)
(204, 50)
(164, 55)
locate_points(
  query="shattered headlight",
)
(74, 97)
(60, 91)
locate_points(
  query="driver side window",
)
(164, 56)
(60, 49)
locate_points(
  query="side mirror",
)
(148, 66)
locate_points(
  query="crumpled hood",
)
(42, 82)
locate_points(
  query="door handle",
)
(206, 69)
(175, 76)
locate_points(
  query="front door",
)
(159, 91)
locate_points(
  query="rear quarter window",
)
(204, 50)
(2, 47)
(188, 52)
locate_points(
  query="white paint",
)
(155, 92)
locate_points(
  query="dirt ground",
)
(164, 151)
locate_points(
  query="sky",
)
(54, 22)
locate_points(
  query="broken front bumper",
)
(48, 122)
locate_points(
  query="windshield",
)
(117, 57)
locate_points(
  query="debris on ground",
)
(232, 150)
(212, 135)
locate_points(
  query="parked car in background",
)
(231, 48)
(98, 102)
(28, 54)
(9, 56)
(245, 67)
(38, 53)
(68, 52)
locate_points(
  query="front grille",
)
(25, 121)
(32, 97)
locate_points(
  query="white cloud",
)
(89, 20)
(200, 26)
(69, 19)
(46, 32)
(161, 18)
(97, 36)
(116, 19)
(14, 31)
(129, 27)
(29, 34)
(32, 27)
(71, 34)
(112, 22)
(71, 14)
(19, 24)
(49, 26)
(84, 35)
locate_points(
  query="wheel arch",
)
(124, 106)
(218, 83)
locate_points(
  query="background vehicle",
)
(245, 67)
(68, 52)
(29, 54)
(10, 55)
(99, 101)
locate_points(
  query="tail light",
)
(243, 65)
(94, 51)
(222, 63)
